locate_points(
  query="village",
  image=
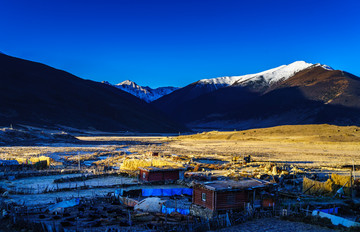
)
(118, 189)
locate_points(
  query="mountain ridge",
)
(297, 93)
(195, 94)
(310, 94)
(36, 94)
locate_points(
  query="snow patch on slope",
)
(324, 66)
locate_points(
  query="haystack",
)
(134, 164)
(317, 187)
(342, 181)
(334, 183)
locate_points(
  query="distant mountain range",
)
(36, 94)
(144, 92)
(298, 93)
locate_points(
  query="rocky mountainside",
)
(145, 92)
(35, 94)
(298, 93)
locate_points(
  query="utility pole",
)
(79, 160)
(354, 169)
(352, 173)
(351, 186)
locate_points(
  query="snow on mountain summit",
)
(257, 82)
(130, 87)
(127, 82)
(265, 78)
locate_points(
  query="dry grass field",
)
(304, 144)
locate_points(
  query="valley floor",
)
(98, 165)
(275, 149)
(310, 145)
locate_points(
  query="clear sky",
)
(177, 42)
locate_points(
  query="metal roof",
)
(232, 185)
(161, 169)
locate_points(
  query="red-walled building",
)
(166, 173)
(229, 194)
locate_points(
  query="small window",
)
(144, 175)
(203, 196)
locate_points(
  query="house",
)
(165, 173)
(232, 195)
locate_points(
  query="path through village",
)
(274, 225)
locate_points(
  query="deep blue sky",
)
(176, 42)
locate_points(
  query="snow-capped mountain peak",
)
(126, 82)
(265, 78)
(144, 92)
(129, 83)
(256, 82)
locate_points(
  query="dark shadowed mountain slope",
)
(333, 87)
(314, 94)
(211, 97)
(212, 104)
(223, 94)
(35, 94)
(176, 104)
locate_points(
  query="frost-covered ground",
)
(58, 150)
(41, 183)
(47, 198)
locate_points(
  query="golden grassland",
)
(323, 133)
(26, 152)
(308, 144)
(134, 164)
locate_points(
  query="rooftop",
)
(161, 169)
(232, 185)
